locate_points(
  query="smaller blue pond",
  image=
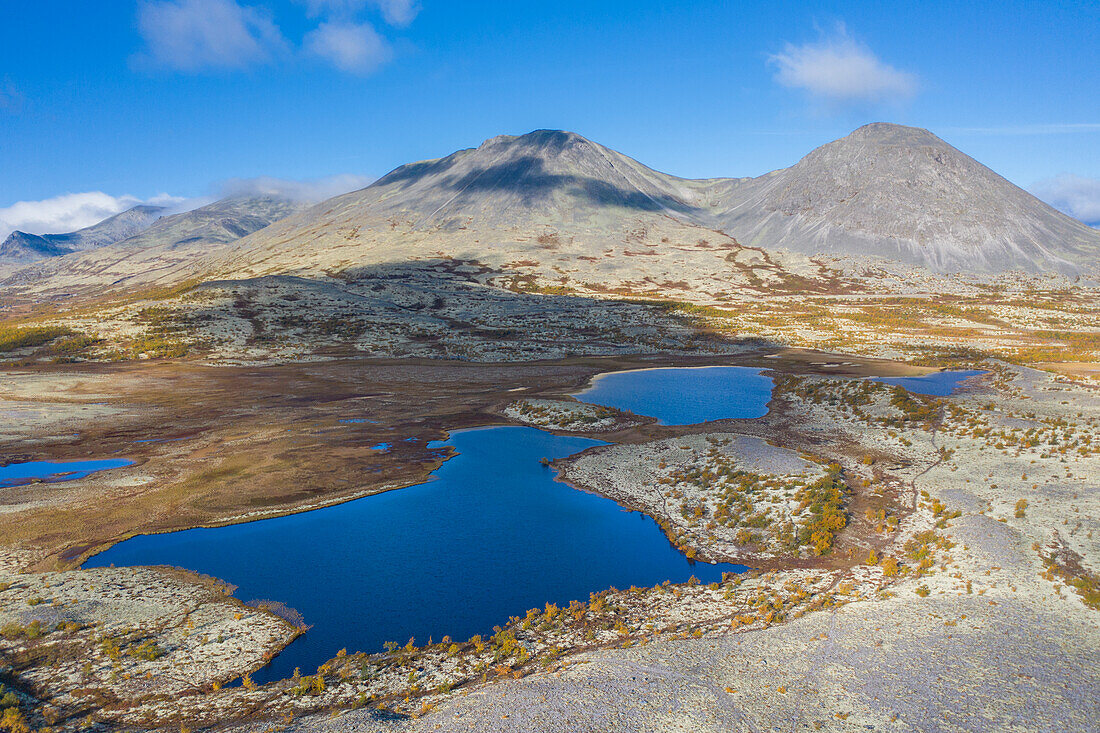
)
(938, 384)
(683, 396)
(18, 474)
(492, 536)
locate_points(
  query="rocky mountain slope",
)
(21, 248)
(902, 193)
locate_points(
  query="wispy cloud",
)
(395, 12)
(352, 47)
(194, 36)
(1075, 195)
(317, 189)
(197, 35)
(1056, 128)
(839, 70)
(398, 12)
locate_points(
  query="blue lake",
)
(50, 471)
(938, 384)
(683, 396)
(490, 537)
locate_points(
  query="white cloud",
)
(65, 213)
(1075, 195)
(193, 35)
(840, 70)
(351, 47)
(317, 189)
(396, 12)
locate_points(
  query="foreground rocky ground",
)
(959, 592)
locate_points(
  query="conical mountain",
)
(902, 193)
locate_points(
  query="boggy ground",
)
(237, 443)
(938, 633)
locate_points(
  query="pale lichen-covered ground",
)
(723, 496)
(124, 636)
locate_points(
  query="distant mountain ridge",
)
(164, 249)
(552, 207)
(22, 248)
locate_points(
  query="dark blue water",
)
(938, 384)
(49, 471)
(680, 396)
(491, 537)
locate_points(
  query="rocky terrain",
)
(721, 496)
(570, 417)
(938, 632)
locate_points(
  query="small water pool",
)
(938, 384)
(17, 474)
(490, 537)
(684, 395)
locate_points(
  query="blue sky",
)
(135, 99)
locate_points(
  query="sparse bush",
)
(149, 651)
(109, 645)
(14, 721)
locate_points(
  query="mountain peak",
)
(888, 133)
(538, 139)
